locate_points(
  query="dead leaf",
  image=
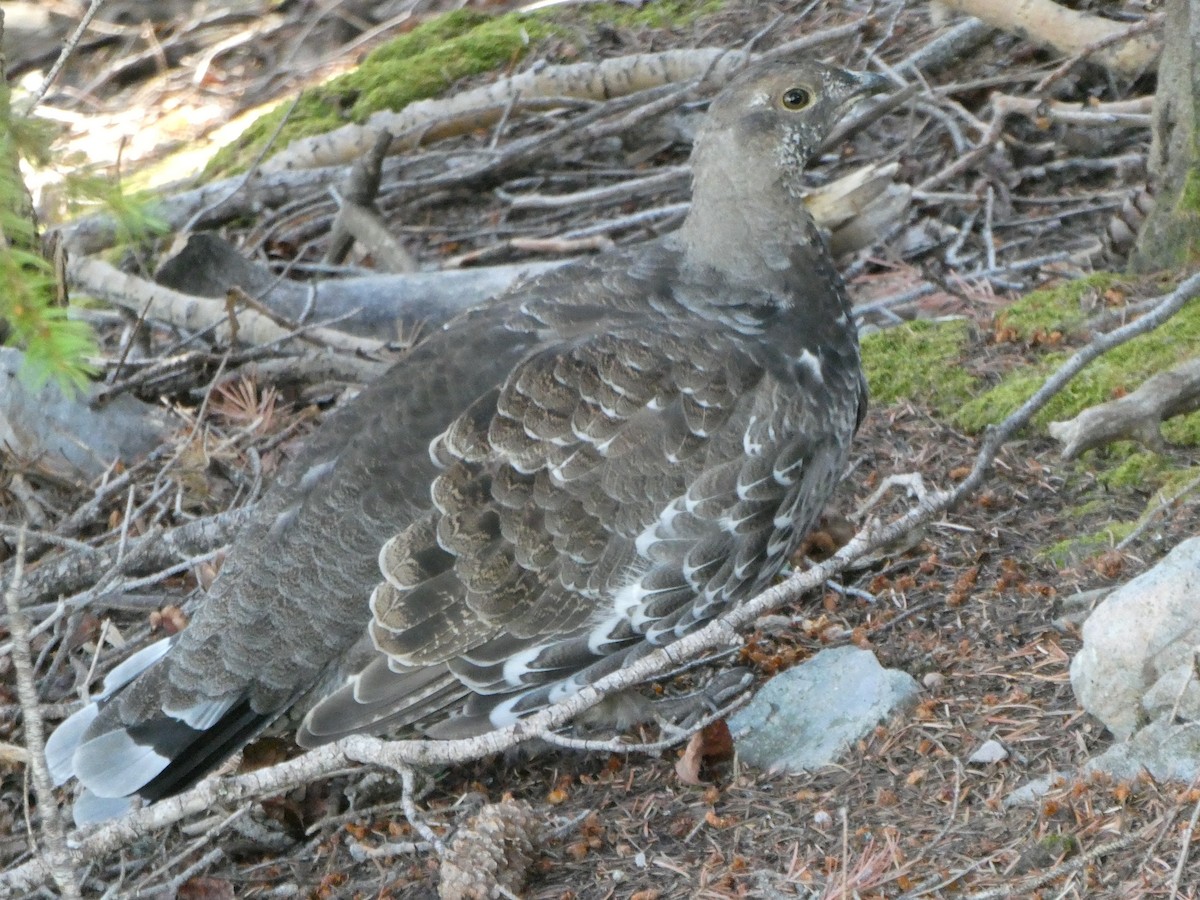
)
(713, 742)
(170, 619)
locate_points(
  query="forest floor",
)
(975, 607)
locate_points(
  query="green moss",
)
(414, 66)
(1059, 845)
(1138, 470)
(428, 36)
(1059, 308)
(919, 361)
(448, 48)
(1176, 482)
(1170, 238)
(1119, 371)
(1189, 197)
(660, 14)
(1073, 550)
(427, 60)
(1183, 430)
(1183, 230)
(1094, 507)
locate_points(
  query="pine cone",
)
(493, 851)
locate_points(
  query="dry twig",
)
(55, 853)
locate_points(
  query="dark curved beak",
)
(871, 83)
(863, 84)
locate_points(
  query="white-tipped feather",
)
(203, 715)
(64, 742)
(516, 667)
(114, 765)
(90, 809)
(61, 746)
(129, 669)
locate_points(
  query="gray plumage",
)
(587, 467)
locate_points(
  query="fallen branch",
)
(438, 118)
(1128, 113)
(210, 205)
(308, 166)
(379, 306)
(358, 217)
(948, 48)
(1136, 416)
(105, 282)
(75, 570)
(1068, 31)
(856, 208)
(1117, 37)
(55, 851)
(1131, 114)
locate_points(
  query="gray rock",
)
(808, 716)
(1165, 750)
(1168, 751)
(63, 434)
(1139, 647)
(990, 751)
(1032, 792)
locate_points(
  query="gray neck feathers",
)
(747, 221)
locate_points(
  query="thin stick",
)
(241, 182)
(415, 819)
(1151, 517)
(67, 50)
(1117, 37)
(56, 854)
(1026, 887)
(1185, 841)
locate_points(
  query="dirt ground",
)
(972, 608)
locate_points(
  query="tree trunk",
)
(1170, 237)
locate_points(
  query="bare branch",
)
(1137, 416)
(76, 570)
(1069, 31)
(55, 852)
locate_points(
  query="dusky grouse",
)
(586, 467)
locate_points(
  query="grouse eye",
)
(796, 98)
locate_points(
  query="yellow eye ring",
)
(796, 98)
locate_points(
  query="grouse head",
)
(747, 217)
(776, 115)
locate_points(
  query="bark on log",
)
(1069, 31)
(1137, 416)
(385, 307)
(1170, 237)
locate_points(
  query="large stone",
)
(808, 716)
(64, 434)
(1166, 751)
(1139, 647)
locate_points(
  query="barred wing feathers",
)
(617, 490)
